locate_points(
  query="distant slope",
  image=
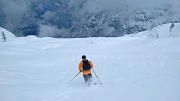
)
(161, 31)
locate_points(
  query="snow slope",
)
(7, 33)
(161, 31)
(136, 67)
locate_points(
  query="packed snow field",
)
(137, 67)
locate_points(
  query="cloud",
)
(51, 31)
(48, 15)
(14, 10)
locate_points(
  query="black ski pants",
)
(87, 77)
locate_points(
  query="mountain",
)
(84, 18)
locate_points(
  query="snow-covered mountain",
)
(136, 67)
(85, 18)
(160, 31)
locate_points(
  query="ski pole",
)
(97, 77)
(75, 76)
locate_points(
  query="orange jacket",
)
(85, 71)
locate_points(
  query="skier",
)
(85, 67)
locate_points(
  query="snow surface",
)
(136, 67)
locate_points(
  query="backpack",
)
(86, 65)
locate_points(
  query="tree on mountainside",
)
(152, 26)
(172, 25)
(3, 36)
